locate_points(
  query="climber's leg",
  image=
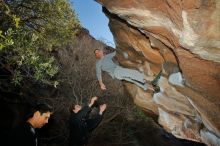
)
(122, 73)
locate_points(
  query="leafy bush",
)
(29, 32)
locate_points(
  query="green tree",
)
(29, 32)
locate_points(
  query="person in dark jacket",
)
(81, 123)
(24, 134)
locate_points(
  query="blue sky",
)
(92, 18)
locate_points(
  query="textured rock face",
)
(183, 39)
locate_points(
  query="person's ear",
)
(36, 114)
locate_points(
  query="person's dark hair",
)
(72, 106)
(95, 50)
(41, 107)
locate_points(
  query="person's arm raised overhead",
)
(93, 122)
(92, 101)
(102, 109)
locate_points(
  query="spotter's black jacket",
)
(81, 125)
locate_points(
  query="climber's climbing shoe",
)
(156, 79)
(156, 89)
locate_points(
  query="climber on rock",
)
(106, 64)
